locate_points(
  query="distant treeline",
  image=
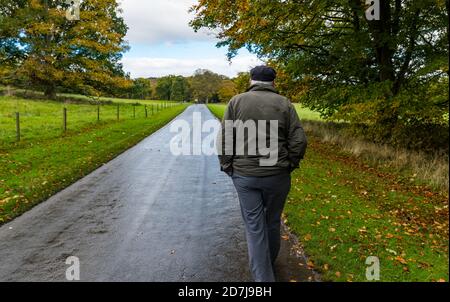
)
(203, 86)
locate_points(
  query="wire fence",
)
(28, 121)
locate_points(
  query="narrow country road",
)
(145, 216)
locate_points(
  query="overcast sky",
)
(162, 42)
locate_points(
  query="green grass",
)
(43, 120)
(344, 210)
(116, 100)
(217, 109)
(307, 114)
(48, 160)
(72, 96)
(303, 112)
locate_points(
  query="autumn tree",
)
(227, 90)
(389, 75)
(175, 88)
(163, 88)
(46, 50)
(205, 84)
(180, 90)
(242, 81)
(141, 89)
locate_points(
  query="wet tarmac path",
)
(145, 216)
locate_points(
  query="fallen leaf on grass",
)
(5, 200)
(401, 260)
(307, 237)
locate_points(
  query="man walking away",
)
(262, 188)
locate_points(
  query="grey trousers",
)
(262, 201)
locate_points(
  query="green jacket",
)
(263, 103)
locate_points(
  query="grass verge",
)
(33, 172)
(344, 210)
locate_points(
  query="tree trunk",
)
(381, 30)
(384, 50)
(447, 4)
(50, 92)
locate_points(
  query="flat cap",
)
(263, 73)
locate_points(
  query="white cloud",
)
(163, 43)
(157, 67)
(160, 21)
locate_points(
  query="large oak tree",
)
(40, 47)
(388, 74)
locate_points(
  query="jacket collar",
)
(262, 87)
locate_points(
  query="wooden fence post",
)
(98, 113)
(146, 113)
(134, 111)
(17, 126)
(118, 114)
(152, 110)
(65, 119)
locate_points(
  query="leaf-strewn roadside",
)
(344, 210)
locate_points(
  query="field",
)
(47, 159)
(43, 120)
(306, 114)
(115, 100)
(81, 98)
(344, 209)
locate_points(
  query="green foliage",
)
(42, 49)
(205, 85)
(227, 90)
(180, 90)
(175, 88)
(332, 59)
(242, 81)
(141, 89)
